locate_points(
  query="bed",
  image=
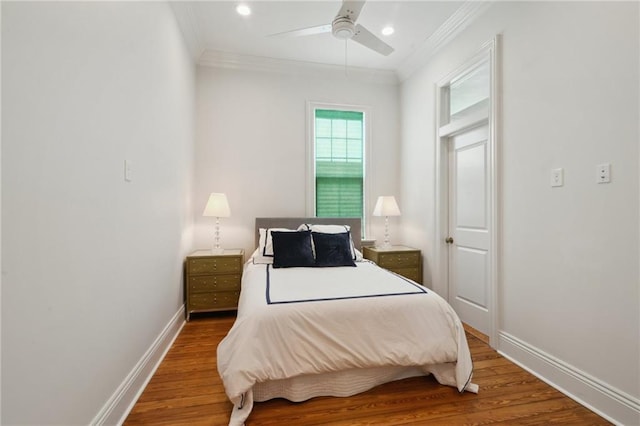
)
(304, 331)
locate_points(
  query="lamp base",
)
(215, 248)
(386, 244)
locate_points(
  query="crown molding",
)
(453, 26)
(218, 59)
(185, 15)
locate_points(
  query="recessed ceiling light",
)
(243, 10)
(387, 31)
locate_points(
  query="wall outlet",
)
(603, 173)
(557, 177)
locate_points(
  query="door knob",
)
(449, 240)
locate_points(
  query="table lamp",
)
(386, 206)
(218, 207)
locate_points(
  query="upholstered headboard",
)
(294, 222)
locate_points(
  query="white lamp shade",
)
(217, 206)
(386, 206)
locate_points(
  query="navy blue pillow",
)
(333, 249)
(292, 249)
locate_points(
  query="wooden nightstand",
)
(212, 282)
(402, 260)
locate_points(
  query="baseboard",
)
(476, 333)
(116, 409)
(614, 405)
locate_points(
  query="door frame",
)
(490, 52)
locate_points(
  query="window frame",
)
(311, 164)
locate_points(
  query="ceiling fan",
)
(344, 27)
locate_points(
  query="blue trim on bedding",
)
(419, 290)
(268, 283)
(241, 402)
(468, 380)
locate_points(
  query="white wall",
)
(0, 218)
(251, 145)
(91, 264)
(570, 277)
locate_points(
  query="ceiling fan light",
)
(343, 28)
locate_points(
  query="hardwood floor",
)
(186, 390)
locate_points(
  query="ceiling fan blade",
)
(367, 39)
(351, 9)
(319, 29)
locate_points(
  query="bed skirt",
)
(340, 384)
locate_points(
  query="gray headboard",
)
(294, 222)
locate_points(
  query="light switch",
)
(557, 177)
(128, 171)
(603, 173)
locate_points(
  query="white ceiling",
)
(215, 28)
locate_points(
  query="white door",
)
(469, 227)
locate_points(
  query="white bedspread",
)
(316, 320)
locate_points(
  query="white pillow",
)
(266, 242)
(333, 229)
(258, 259)
(359, 255)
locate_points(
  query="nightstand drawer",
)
(213, 265)
(414, 274)
(399, 260)
(205, 301)
(208, 283)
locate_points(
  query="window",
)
(469, 93)
(338, 140)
